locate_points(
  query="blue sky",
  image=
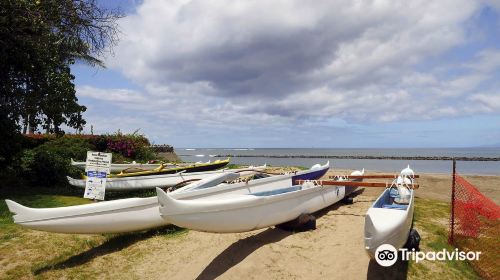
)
(290, 74)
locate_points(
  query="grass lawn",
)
(431, 221)
(29, 254)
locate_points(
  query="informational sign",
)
(97, 167)
(98, 161)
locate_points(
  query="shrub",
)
(48, 169)
(68, 147)
(49, 164)
(124, 146)
(101, 143)
(31, 141)
(144, 154)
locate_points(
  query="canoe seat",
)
(395, 206)
(393, 193)
(278, 191)
(399, 195)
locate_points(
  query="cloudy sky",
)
(229, 73)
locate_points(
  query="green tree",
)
(39, 41)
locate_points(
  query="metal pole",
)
(453, 183)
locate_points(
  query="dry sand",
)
(334, 248)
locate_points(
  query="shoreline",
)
(419, 173)
(473, 164)
(443, 158)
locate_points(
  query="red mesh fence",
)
(475, 226)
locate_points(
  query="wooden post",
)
(452, 223)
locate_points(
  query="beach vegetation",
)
(431, 220)
(30, 254)
(44, 160)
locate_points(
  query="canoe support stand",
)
(304, 222)
(413, 241)
(348, 200)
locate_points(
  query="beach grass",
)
(431, 221)
(233, 166)
(28, 254)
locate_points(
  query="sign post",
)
(98, 165)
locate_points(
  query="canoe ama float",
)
(133, 214)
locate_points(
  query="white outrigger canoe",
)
(118, 167)
(133, 214)
(255, 209)
(389, 220)
(160, 181)
(123, 215)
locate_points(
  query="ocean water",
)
(426, 166)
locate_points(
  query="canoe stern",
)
(387, 226)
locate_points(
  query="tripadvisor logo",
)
(387, 255)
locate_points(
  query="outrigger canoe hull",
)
(387, 224)
(118, 167)
(133, 214)
(124, 215)
(160, 181)
(195, 167)
(194, 191)
(241, 213)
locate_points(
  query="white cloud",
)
(218, 64)
(111, 95)
(489, 102)
(486, 61)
